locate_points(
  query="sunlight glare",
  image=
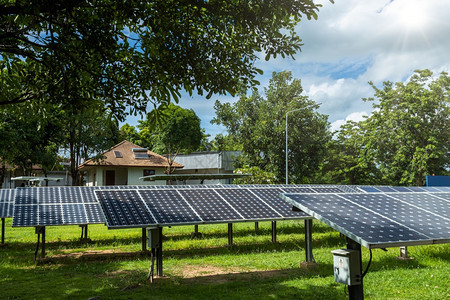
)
(413, 16)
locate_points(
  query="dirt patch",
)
(95, 255)
(216, 275)
(190, 271)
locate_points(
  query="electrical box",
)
(153, 238)
(347, 266)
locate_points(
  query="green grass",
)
(112, 267)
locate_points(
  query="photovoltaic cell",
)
(210, 206)
(272, 197)
(415, 218)
(124, 209)
(434, 203)
(6, 203)
(378, 220)
(52, 206)
(168, 207)
(247, 204)
(360, 224)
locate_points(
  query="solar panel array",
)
(167, 204)
(388, 217)
(188, 205)
(6, 203)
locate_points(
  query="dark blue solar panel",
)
(6, 203)
(124, 209)
(168, 207)
(297, 190)
(417, 219)
(247, 204)
(369, 189)
(401, 189)
(272, 197)
(434, 203)
(386, 189)
(354, 220)
(49, 215)
(73, 214)
(210, 206)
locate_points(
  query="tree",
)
(141, 52)
(180, 132)
(28, 137)
(259, 124)
(409, 131)
(347, 160)
(258, 176)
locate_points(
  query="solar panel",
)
(378, 220)
(6, 203)
(52, 206)
(124, 208)
(272, 197)
(169, 207)
(209, 206)
(247, 204)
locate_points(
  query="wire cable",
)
(368, 265)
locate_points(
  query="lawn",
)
(112, 266)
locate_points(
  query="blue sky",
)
(351, 43)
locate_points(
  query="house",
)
(124, 164)
(210, 162)
(9, 172)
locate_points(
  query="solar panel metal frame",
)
(425, 241)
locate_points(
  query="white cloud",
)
(355, 116)
(351, 43)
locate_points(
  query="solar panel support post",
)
(308, 241)
(40, 231)
(144, 239)
(256, 226)
(356, 292)
(3, 231)
(159, 258)
(84, 233)
(230, 234)
(274, 231)
(404, 253)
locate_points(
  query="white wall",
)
(135, 173)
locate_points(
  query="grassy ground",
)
(112, 267)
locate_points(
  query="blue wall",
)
(438, 180)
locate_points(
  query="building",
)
(8, 172)
(212, 162)
(124, 164)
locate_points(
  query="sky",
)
(351, 43)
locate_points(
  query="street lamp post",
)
(287, 149)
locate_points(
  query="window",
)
(117, 154)
(140, 153)
(149, 172)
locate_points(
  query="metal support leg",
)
(196, 230)
(159, 258)
(355, 292)
(274, 231)
(308, 241)
(256, 226)
(144, 239)
(230, 234)
(84, 233)
(3, 231)
(404, 253)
